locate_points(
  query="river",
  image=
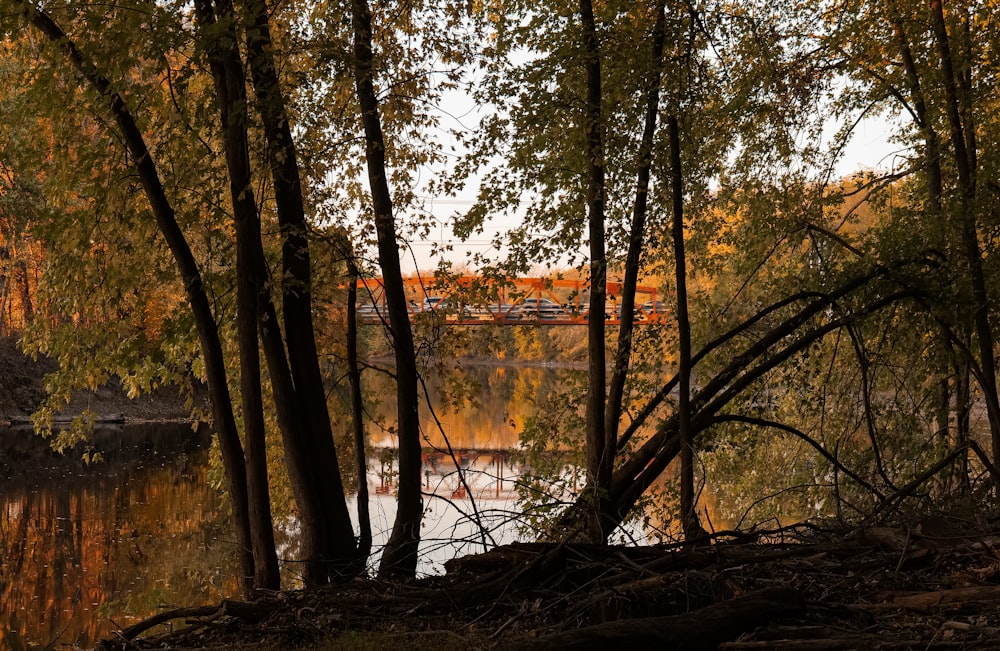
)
(83, 546)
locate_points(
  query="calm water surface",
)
(84, 546)
(88, 549)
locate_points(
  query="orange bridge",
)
(475, 300)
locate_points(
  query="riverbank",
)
(22, 390)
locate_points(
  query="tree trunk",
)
(6, 305)
(314, 440)
(698, 630)
(227, 71)
(964, 147)
(963, 411)
(768, 351)
(965, 158)
(689, 515)
(400, 554)
(357, 408)
(600, 449)
(27, 307)
(637, 231)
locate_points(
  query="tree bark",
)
(311, 437)
(600, 450)
(637, 231)
(400, 554)
(27, 307)
(357, 409)
(689, 515)
(227, 71)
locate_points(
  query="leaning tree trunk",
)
(769, 350)
(208, 333)
(400, 554)
(637, 230)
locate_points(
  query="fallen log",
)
(844, 643)
(700, 629)
(925, 600)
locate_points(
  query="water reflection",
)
(88, 549)
(471, 465)
(476, 407)
(85, 546)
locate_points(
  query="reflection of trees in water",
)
(81, 546)
(478, 407)
(488, 474)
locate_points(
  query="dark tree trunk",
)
(357, 409)
(698, 630)
(6, 305)
(208, 334)
(27, 307)
(689, 515)
(770, 350)
(227, 71)
(963, 411)
(400, 554)
(312, 441)
(600, 450)
(637, 231)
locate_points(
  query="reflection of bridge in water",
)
(489, 474)
(474, 300)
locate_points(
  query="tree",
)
(605, 104)
(589, 106)
(296, 385)
(937, 87)
(740, 92)
(400, 554)
(600, 448)
(379, 75)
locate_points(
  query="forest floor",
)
(929, 582)
(934, 584)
